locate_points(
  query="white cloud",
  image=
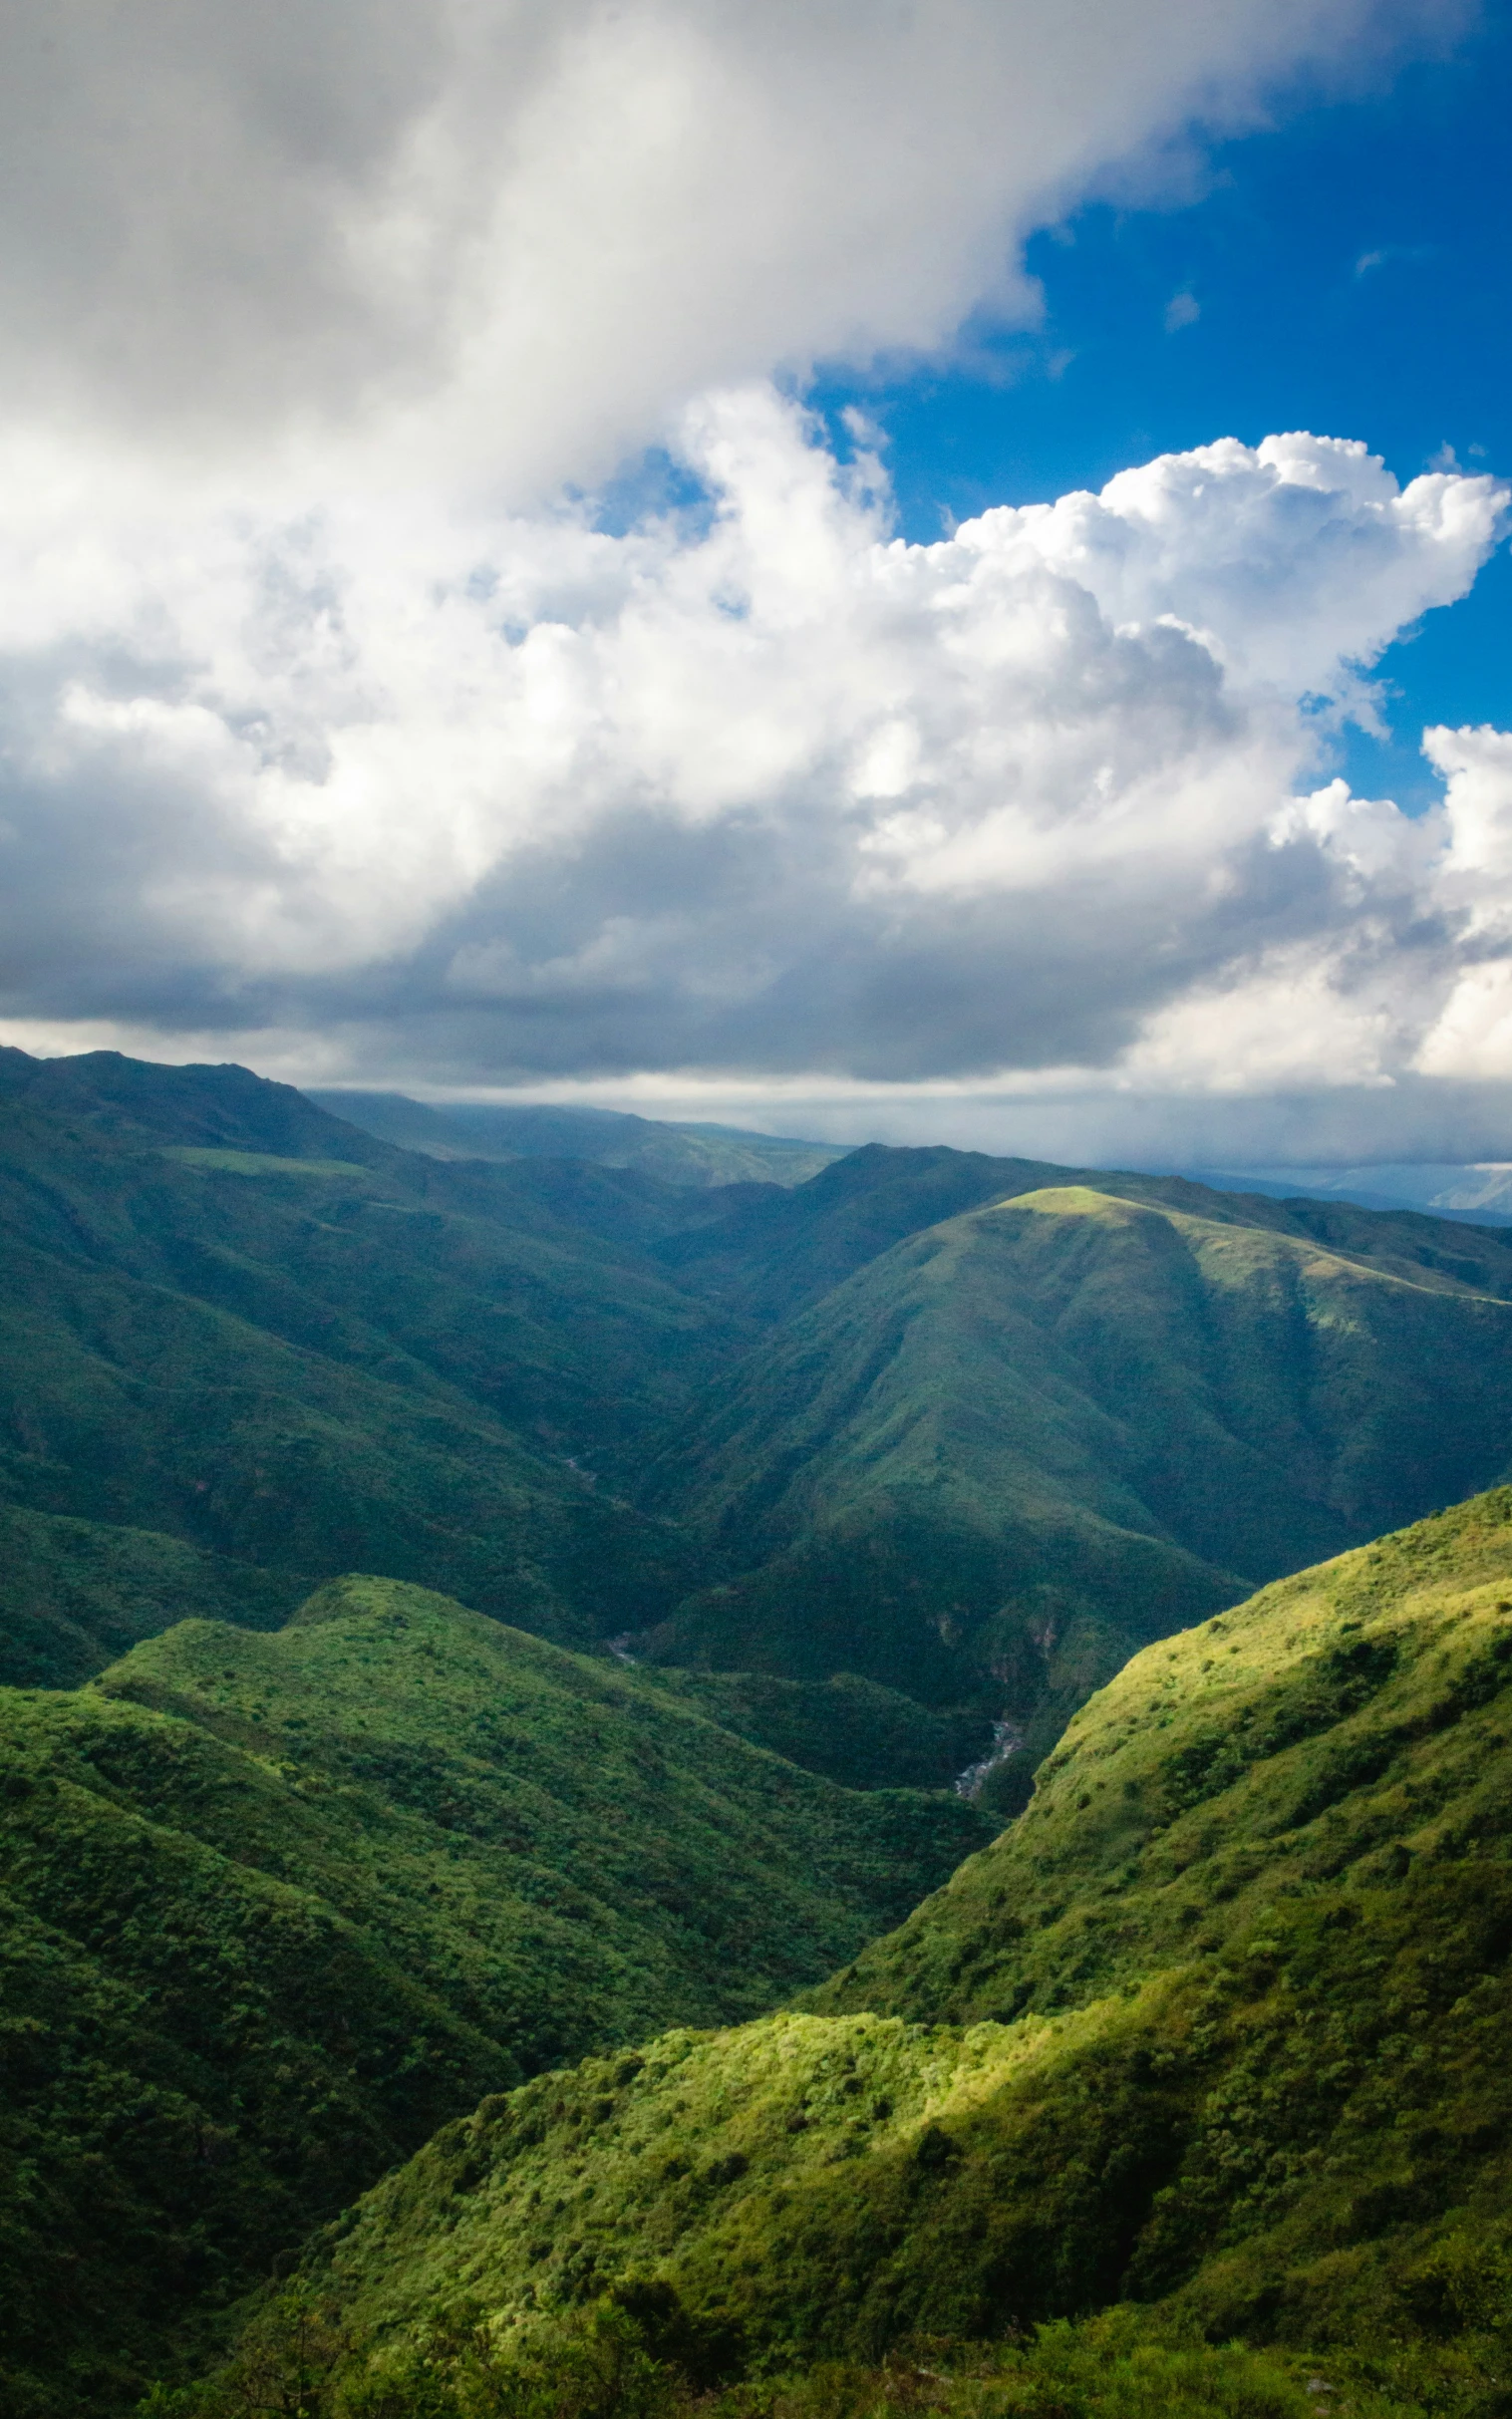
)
(1027, 819)
(499, 241)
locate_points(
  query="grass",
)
(278, 1905)
(1020, 1444)
(262, 1163)
(1216, 2028)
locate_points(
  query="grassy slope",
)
(393, 1368)
(1220, 2020)
(1028, 1440)
(277, 1905)
(77, 1594)
(780, 1253)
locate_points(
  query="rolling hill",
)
(278, 1905)
(882, 1425)
(1215, 2029)
(1030, 1438)
(226, 1318)
(702, 1155)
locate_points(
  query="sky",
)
(934, 570)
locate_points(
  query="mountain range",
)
(679, 1154)
(465, 1613)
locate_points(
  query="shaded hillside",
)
(329, 1360)
(879, 1439)
(1217, 2025)
(703, 1155)
(76, 1594)
(1026, 1440)
(278, 1905)
(853, 1731)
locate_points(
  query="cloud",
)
(333, 723)
(417, 239)
(755, 788)
(1182, 311)
(1389, 255)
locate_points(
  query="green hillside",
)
(853, 1731)
(1020, 1443)
(708, 1156)
(278, 1905)
(310, 1364)
(780, 1252)
(869, 1426)
(75, 1594)
(1216, 2028)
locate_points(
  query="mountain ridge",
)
(1215, 2027)
(278, 1904)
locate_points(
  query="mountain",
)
(1032, 1436)
(1215, 2029)
(278, 1905)
(1477, 1193)
(704, 1155)
(873, 1424)
(230, 1319)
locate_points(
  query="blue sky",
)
(339, 736)
(1350, 268)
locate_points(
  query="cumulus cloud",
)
(333, 738)
(756, 788)
(500, 239)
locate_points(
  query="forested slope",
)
(1028, 1440)
(349, 1357)
(277, 1906)
(1217, 2025)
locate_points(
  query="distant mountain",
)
(277, 1906)
(1029, 1437)
(1480, 1195)
(704, 1155)
(1217, 2029)
(865, 1425)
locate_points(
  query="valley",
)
(503, 1633)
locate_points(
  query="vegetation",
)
(77, 1594)
(633, 2356)
(278, 1905)
(1216, 2028)
(1033, 1438)
(853, 1731)
(1205, 2046)
(308, 1369)
(877, 1423)
(708, 1156)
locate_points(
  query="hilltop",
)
(1017, 1445)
